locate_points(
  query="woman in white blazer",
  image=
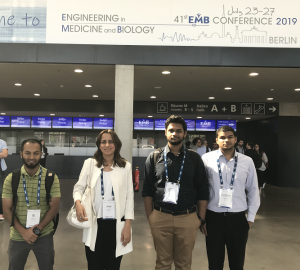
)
(110, 178)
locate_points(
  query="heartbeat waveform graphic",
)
(177, 37)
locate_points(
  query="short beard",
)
(31, 166)
(177, 142)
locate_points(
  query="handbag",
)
(87, 203)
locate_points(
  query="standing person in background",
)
(203, 149)
(206, 145)
(188, 145)
(215, 146)
(240, 147)
(196, 143)
(44, 154)
(3, 167)
(261, 170)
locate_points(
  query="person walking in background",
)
(3, 167)
(206, 145)
(196, 143)
(240, 147)
(203, 149)
(44, 154)
(261, 170)
(110, 178)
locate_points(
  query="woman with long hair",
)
(110, 178)
(261, 171)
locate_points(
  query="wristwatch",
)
(37, 231)
(202, 220)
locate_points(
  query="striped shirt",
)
(31, 186)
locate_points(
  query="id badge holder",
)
(225, 198)
(33, 217)
(109, 209)
(171, 192)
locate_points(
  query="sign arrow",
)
(273, 109)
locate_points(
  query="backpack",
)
(16, 175)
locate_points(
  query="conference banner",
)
(220, 23)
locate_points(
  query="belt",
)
(175, 213)
(226, 214)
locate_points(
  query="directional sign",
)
(259, 108)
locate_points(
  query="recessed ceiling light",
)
(157, 87)
(95, 96)
(227, 88)
(18, 84)
(78, 70)
(87, 85)
(248, 118)
(52, 113)
(297, 89)
(101, 114)
(153, 97)
(272, 89)
(61, 86)
(253, 74)
(211, 98)
(3, 113)
(79, 114)
(228, 118)
(37, 95)
(150, 116)
(199, 117)
(270, 98)
(166, 72)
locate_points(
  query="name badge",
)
(109, 209)
(171, 192)
(225, 198)
(33, 217)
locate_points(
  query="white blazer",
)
(121, 179)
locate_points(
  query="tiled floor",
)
(274, 239)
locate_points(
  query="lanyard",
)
(102, 185)
(166, 165)
(233, 174)
(38, 191)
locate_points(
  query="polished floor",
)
(274, 239)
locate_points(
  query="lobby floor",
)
(274, 239)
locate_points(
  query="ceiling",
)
(185, 83)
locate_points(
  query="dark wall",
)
(289, 151)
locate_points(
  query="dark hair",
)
(225, 129)
(260, 149)
(177, 120)
(187, 143)
(118, 160)
(195, 140)
(42, 140)
(251, 144)
(240, 140)
(31, 141)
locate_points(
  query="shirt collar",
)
(181, 149)
(23, 171)
(219, 153)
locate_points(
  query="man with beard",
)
(175, 195)
(230, 174)
(33, 225)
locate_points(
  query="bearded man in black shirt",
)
(175, 195)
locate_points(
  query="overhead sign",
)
(41, 122)
(82, 123)
(231, 23)
(205, 125)
(4, 121)
(160, 124)
(190, 124)
(231, 123)
(143, 124)
(20, 121)
(62, 122)
(103, 123)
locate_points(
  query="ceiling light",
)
(101, 114)
(248, 118)
(52, 113)
(253, 74)
(273, 89)
(211, 98)
(61, 86)
(95, 96)
(199, 117)
(227, 88)
(18, 84)
(270, 98)
(157, 87)
(87, 85)
(37, 95)
(166, 72)
(78, 70)
(150, 116)
(3, 113)
(297, 89)
(228, 118)
(153, 97)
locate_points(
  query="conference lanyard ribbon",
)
(233, 174)
(102, 186)
(38, 191)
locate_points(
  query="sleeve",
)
(7, 189)
(80, 186)
(265, 158)
(129, 205)
(148, 190)
(4, 145)
(55, 189)
(253, 192)
(201, 180)
(209, 149)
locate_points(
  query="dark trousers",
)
(104, 255)
(1, 189)
(260, 178)
(229, 231)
